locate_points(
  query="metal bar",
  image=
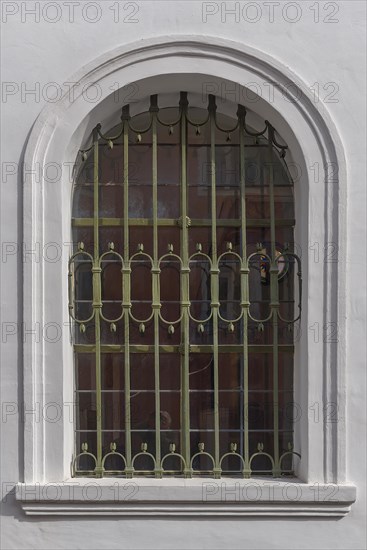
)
(185, 291)
(126, 297)
(155, 285)
(214, 283)
(245, 304)
(173, 222)
(139, 348)
(97, 303)
(274, 303)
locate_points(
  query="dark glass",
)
(86, 462)
(110, 162)
(86, 411)
(230, 371)
(169, 236)
(142, 372)
(86, 371)
(83, 201)
(200, 291)
(140, 180)
(202, 236)
(141, 235)
(201, 373)
(202, 410)
(230, 407)
(84, 235)
(113, 410)
(170, 288)
(141, 287)
(113, 374)
(231, 367)
(229, 287)
(170, 371)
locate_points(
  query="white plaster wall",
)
(319, 52)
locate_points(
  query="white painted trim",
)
(180, 497)
(60, 129)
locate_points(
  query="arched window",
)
(185, 289)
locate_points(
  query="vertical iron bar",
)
(185, 302)
(214, 283)
(97, 304)
(241, 113)
(126, 273)
(274, 302)
(155, 284)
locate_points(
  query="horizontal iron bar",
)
(138, 348)
(172, 222)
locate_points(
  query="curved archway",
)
(316, 149)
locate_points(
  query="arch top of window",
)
(229, 120)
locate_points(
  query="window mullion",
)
(214, 284)
(155, 285)
(126, 294)
(244, 294)
(274, 304)
(97, 303)
(185, 303)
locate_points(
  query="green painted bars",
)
(185, 293)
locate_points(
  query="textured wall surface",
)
(47, 42)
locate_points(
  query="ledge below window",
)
(185, 497)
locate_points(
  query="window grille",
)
(185, 292)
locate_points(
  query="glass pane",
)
(86, 371)
(230, 371)
(227, 235)
(142, 410)
(141, 235)
(202, 462)
(110, 161)
(142, 371)
(169, 236)
(111, 200)
(113, 410)
(260, 371)
(260, 411)
(111, 234)
(200, 235)
(229, 287)
(201, 371)
(202, 410)
(200, 291)
(86, 462)
(199, 181)
(83, 201)
(168, 180)
(230, 407)
(84, 235)
(227, 179)
(140, 179)
(112, 368)
(112, 287)
(141, 287)
(170, 371)
(170, 289)
(86, 411)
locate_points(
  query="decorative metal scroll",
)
(272, 263)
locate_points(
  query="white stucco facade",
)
(67, 66)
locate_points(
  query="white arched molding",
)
(229, 70)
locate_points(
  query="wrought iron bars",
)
(188, 456)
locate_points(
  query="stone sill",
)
(229, 497)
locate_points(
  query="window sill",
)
(229, 497)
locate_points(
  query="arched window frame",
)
(315, 145)
(277, 458)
